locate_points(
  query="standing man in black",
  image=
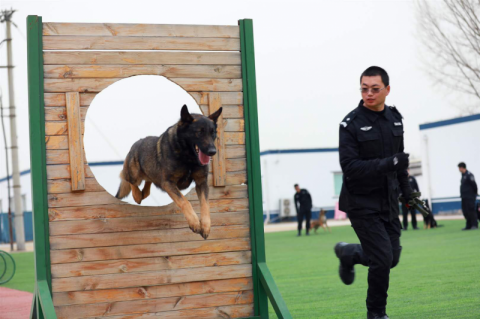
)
(414, 186)
(302, 197)
(374, 169)
(468, 192)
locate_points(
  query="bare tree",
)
(449, 31)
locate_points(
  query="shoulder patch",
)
(349, 118)
(395, 110)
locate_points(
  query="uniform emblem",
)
(348, 119)
(397, 124)
(366, 128)
(343, 124)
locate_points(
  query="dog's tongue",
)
(204, 159)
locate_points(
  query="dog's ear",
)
(214, 116)
(185, 116)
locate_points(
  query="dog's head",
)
(200, 132)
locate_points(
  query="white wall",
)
(445, 147)
(313, 171)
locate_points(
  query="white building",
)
(445, 144)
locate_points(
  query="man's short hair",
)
(462, 165)
(374, 71)
(295, 185)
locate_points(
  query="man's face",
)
(462, 170)
(370, 99)
(297, 188)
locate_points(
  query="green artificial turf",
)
(24, 278)
(438, 275)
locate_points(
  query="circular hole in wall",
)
(123, 113)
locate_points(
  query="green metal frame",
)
(42, 304)
(263, 284)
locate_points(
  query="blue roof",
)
(457, 120)
(306, 150)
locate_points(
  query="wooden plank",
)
(233, 138)
(75, 142)
(123, 210)
(63, 171)
(218, 160)
(150, 278)
(143, 237)
(139, 43)
(91, 185)
(99, 84)
(228, 98)
(130, 57)
(124, 71)
(61, 128)
(60, 113)
(234, 125)
(158, 306)
(149, 250)
(229, 111)
(58, 99)
(152, 30)
(150, 264)
(115, 225)
(81, 199)
(152, 292)
(221, 312)
(59, 186)
(61, 156)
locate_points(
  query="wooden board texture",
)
(111, 259)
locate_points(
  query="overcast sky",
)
(309, 56)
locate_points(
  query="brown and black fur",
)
(321, 222)
(171, 163)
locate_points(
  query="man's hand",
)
(395, 163)
(400, 161)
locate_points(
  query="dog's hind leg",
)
(146, 189)
(137, 193)
(187, 209)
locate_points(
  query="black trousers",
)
(405, 211)
(379, 250)
(304, 214)
(468, 209)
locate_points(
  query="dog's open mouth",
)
(202, 157)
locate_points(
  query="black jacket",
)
(304, 199)
(468, 186)
(367, 139)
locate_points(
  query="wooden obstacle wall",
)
(112, 259)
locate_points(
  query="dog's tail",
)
(124, 189)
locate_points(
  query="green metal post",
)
(253, 163)
(43, 277)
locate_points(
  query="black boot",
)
(346, 271)
(299, 233)
(377, 315)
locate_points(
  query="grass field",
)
(438, 275)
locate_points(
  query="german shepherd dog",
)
(172, 161)
(321, 222)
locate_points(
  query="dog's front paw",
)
(195, 227)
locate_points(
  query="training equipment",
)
(97, 256)
(416, 203)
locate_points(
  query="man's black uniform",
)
(369, 142)
(468, 192)
(305, 210)
(414, 186)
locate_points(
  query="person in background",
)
(468, 193)
(405, 209)
(303, 206)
